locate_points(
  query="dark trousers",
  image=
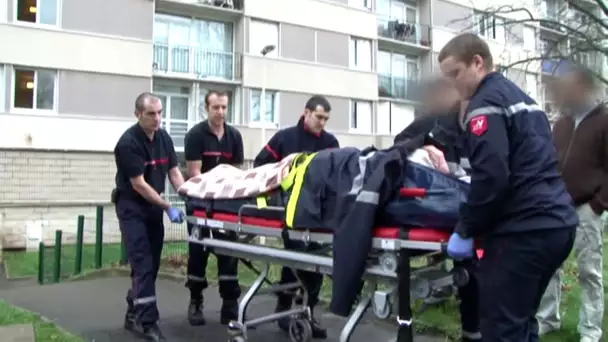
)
(311, 281)
(469, 300)
(227, 268)
(513, 276)
(143, 231)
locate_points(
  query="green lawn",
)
(442, 319)
(45, 331)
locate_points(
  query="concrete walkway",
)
(94, 309)
(18, 333)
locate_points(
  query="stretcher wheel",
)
(300, 330)
(460, 276)
(237, 339)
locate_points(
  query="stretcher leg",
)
(405, 332)
(364, 304)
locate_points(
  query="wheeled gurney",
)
(388, 263)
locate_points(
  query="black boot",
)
(148, 332)
(230, 311)
(195, 312)
(129, 318)
(318, 332)
(283, 304)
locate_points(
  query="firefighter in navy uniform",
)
(307, 136)
(144, 156)
(517, 203)
(208, 144)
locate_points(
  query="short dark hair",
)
(218, 93)
(586, 76)
(464, 47)
(140, 100)
(318, 100)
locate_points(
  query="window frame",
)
(353, 47)
(58, 15)
(34, 110)
(352, 117)
(276, 40)
(275, 109)
(167, 120)
(490, 28)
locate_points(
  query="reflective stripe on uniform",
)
(471, 335)
(195, 278)
(509, 111)
(369, 197)
(227, 278)
(144, 300)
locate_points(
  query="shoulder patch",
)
(479, 125)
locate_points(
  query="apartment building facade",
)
(74, 67)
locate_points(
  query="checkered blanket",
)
(228, 182)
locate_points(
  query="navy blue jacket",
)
(515, 183)
(294, 139)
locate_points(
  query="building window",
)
(2, 85)
(193, 46)
(399, 74)
(34, 89)
(532, 86)
(365, 4)
(360, 54)
(361, 116)
(490, 27)
(271, 117)
(529, 39)
(176, 102)
(261, 35)
(393, 117)
(37, 11)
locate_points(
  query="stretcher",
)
(388, 264)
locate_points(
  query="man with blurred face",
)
(308, 135)
(144, 156)
(581, 140)
(517, 204)
(208, 144)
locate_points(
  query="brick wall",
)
(41, 191)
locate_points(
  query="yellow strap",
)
(297, 188)
(261, 202)
(287, 183)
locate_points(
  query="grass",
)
(445, 320)
(440, 320)
(45, 331)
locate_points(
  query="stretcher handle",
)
(412, 192)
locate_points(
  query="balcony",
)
(193, 62)
(224, 10)
(399, 88)
(554, 67)
(398, 32)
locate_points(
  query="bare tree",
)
(578, 32)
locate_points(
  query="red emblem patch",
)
(479, 125)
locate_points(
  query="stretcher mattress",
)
(381, 232)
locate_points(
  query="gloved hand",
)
(175, 215)
(460, 248)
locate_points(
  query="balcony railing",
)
(554, 66)
(400, 30)
(197, 62)
(399, 88)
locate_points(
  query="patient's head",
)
(440, 96)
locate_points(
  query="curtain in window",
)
(213, 56)
(398, 71)
(45, 89)
(255, 107)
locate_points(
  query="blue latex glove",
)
(460, 248)
(175, 215)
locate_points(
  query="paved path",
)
(95, 309)
(18, 333)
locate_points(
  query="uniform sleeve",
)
(488, 145)
(193, 147)
(238, 154)
(333, 143)
(271, 152)
(130, 160)
(171, 151)
(420, 126)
